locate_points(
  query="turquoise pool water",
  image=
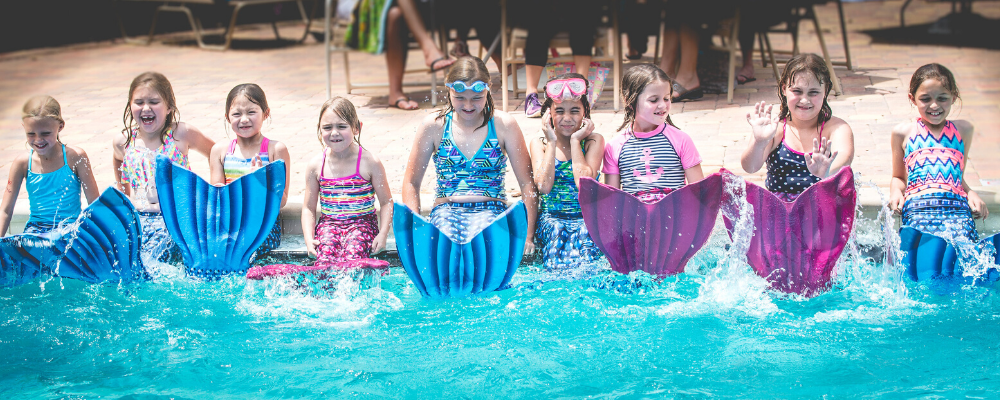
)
(715, 331)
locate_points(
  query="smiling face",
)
(468, 104)
(933, 101)
(42, 133)
(805, 95)
(149, 109)
(653, 106)
(245, 117)
(567, 116)
(335, 132)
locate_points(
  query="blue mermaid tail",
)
(929, 256)
(101, 246)
(441, 267)
(219, 228)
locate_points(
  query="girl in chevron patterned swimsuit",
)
(928, 161)
(567, 150)
(470, 143)
(344, 181)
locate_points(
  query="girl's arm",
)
(517, 152)
(18, 170)
(898, 183)
(216, 168)
(281, 152)
(195, 140)
(543, 160)
(762, 142)
(310, 198)
(81, 167)
(615, 180)
(694, 174)
(381, 184)
(586, 164)
(416, 165)
(118, 144)
(978, 206)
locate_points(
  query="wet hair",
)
(934, 71)
(344, 109)
(634, 83)
(252, 92)
(469, 69)
(549, 103)
(42, 107)
(815, 65)
(161, 85)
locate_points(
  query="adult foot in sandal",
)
(440, 63)
(404, 103)
(683, 94)
(745, 75)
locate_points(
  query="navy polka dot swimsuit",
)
(786, 169)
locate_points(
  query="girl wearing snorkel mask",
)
(470, 142)
(567, 150)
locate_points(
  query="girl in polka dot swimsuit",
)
(812, 143)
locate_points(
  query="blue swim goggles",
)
(459, 86)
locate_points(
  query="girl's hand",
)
(977, 205)
(151, 195)
(547, 129)
(378, 244)
(764, 124)
(896, 202)
(311, 247)
(529, 246)
(256, 162)
(821, 158)
(586, 128)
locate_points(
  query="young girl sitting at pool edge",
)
(807, 124)
(567, 151)
(928, 160)
(246, 110)
(344, 180)
(470, 190)
(152, 127)
(649, 153)
(54, 172)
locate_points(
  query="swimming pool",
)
(715, 331)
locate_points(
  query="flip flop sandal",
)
(406, 99)
(684, 94)
(746, 79)
(445, 58)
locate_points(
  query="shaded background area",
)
(50, 23)
(956, 29)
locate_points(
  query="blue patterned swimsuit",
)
(457, 175)
(562, 235)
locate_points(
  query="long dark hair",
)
(469, 69)
(161, 85)
(813, 64)
(634, 82)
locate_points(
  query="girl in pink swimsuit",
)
(344, 181)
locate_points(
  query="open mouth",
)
(468, 111)
(935, 113)
(41, 145)
(147, 119)
(336, 140)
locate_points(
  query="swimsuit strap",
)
(264, 144)
(322, 167)
(232, 147)
(357, 166)
(30, 156)
(65, 163)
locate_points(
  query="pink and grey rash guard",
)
(650, 160)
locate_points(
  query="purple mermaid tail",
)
(658, 238)
(797, 244)
(320, 269)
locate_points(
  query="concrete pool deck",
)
(91, 83)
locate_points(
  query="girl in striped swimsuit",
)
(650, 153)
(928, 161)
(344, 181)
(246, 110)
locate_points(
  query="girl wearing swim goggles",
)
(566, 89)
(567, 151)
(459, 86)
